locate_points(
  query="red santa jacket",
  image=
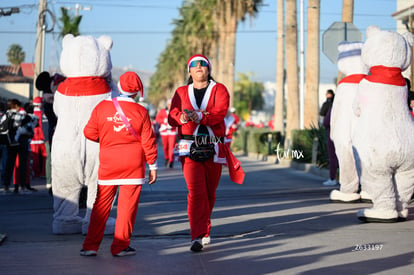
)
(165, 128)
(215, 104)
(39, 137)
(122, 156)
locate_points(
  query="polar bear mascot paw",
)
(342, 197)
(383, 149)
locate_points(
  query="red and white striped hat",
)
(130, 84)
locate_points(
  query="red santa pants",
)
(202, 179)
(39, 159)
(128, 199)
(168, 144)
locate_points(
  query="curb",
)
(306, 167)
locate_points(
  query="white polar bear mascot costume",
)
(342, 117)
(384, 129)
(85, 61)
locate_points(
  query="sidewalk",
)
(280, 221)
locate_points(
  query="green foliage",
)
(70, 24)
(255, 140)
(247, 94)
(15, 54)
(303, 140)
(198, 30)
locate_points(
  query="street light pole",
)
(40, 45)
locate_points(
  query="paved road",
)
(278, 222)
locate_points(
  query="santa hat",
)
(37, 101)
(130, 84)
(198, 57)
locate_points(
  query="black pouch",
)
(201, 151)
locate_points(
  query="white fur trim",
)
(122, 182)
(124, 92)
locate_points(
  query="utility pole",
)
(40, 44)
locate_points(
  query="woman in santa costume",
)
(198, 110)
(37, 144)
(126, 141)
(168, 134)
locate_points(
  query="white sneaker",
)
(206, 240)
(88, 253)
(330, 182)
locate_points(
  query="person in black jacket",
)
(328, 103)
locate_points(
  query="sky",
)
(140, 30)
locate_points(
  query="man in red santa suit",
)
(126, 142)
(198, 110)
(168, 134)
(37, 144)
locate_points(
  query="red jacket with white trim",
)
(165, 128)
(215, 104)
(122, 156)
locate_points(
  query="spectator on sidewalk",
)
(333, 160)
(18, 145)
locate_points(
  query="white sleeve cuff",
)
(153, 166)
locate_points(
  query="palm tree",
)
(280, 75)
(312, 65)
(15, 55)
(292, 105)
(232, 12)
(348, 11)
(207, 27)
(70, 24)
(249, 94)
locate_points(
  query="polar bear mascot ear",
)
(106, 42)
(372, 30)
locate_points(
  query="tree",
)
(347, 16)
(248, 94)
(292, 104)
(15, 55)
(206, 27)
(70, 24)
(232, 12)
(280, 70)
(311, 113)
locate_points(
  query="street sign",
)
(338, 32)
